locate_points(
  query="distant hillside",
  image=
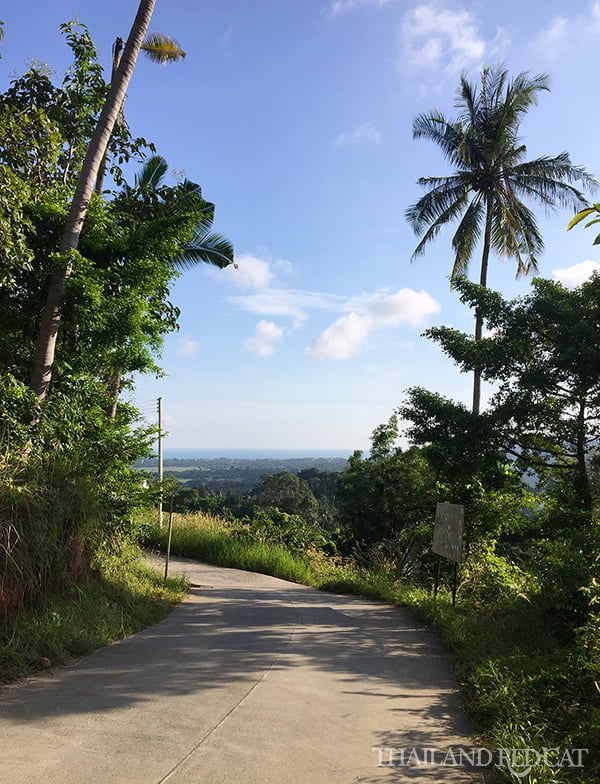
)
(235, 474)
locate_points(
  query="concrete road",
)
(251, 680)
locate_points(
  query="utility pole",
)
(160, 461)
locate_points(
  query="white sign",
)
(448, 531)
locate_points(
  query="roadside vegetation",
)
(85, 283)
(118, 597)
(530, 680)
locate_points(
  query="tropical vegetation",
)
(85, 281)
(68, 442)
(491, 178)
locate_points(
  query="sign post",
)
(448, 537)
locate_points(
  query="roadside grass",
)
(119, 597)
(524, 687)
(207, 538)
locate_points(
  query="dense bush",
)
(72, 491)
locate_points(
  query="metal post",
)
(454, 583)
(436, 583)
(169, 539)
(160, 461)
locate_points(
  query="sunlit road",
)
(251, 680)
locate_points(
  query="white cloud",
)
(438, 39)
(362, 133)
(287, 302)
(554, 38)
(369, 312)
(249, 272)
(564, 34)
(574, 276)
(359, 315)
(339, 7)
(343, 339)
(404, 306)
(265, 335)
(186, 347)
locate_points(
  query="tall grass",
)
(210, 539)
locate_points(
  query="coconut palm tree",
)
(41, 373)
(490, 179)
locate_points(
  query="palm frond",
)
(452, 211)
(515, 232)
(162, 49)
(151, 173)
(466, 236)
(205, 248)
(550, 185)
(435, 127)
(437, 202)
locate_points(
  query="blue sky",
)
(296, 116)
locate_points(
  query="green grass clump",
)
(119, 597)
(524, 689)
(213, 540)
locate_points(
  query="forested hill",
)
(236, 474)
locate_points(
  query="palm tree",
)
(162, 206)
(160, 49)
(41, 373)
(490, 178)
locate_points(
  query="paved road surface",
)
(251, 680)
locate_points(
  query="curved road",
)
(250, 680)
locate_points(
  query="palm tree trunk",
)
(485, 257)
(41, 373)
(583, 480)
(114, 388)
(116, 58)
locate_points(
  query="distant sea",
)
(253, 454)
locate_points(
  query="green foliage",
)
(120, 597)
(71, 491)
(543, 353)
(289, 493)
(488, 578)
(387, 492)
(51, 125)
(564, 574)
(290, 530)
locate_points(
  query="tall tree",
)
(490, 179)
(544, 356)
(41, 373)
